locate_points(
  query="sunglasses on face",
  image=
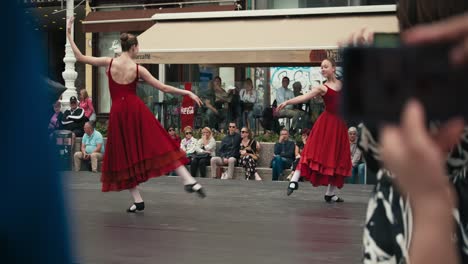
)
(188, 133)
(244, 132)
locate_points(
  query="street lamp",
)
(69, 75)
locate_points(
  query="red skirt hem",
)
(142, 171)
(319, 175)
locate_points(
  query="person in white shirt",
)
(189, 143)
(205, 149)
(283, 94)
(248, 97)
(358, 170)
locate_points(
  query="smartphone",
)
(386, 40)
(378, 81)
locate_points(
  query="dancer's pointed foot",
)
(257, 177)
(195, 187)
(136, 207)
(291, 187)
(333, 199)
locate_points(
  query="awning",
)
(137, 20)
(284, 40)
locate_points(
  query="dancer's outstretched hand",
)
(282, 106)
(361, 37)
(416, 159)
(70, 25)
(195, 98)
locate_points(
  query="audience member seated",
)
(283, 94)
(189, 143)
(316, 107)
(211, 116)
(55, 122)
(298, 150)
(205, 149)
(283, 155)
(172, 132)
(234, 106)
(249, 98)
(359, 167)
(228, 153)
(92, 148)
(74, 118)
(249, 154)
(87, 105)
(222, 103)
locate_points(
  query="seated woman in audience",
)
(205, 149)
(189, 143)
(87, 104)
(248, 97)
(55, 119)
(172, 132)
(249, 149)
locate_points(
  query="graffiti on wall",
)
(309, 77)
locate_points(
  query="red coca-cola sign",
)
(187, 110)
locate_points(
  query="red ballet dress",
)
(326, 158)
(138, 147)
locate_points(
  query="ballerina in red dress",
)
(326, 156)
(138, 147)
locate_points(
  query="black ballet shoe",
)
(138, 207)
(195, 187)
(329, 199)
(291, 187)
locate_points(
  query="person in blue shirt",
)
(92, 148)
(283, 155)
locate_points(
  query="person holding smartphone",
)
(400, 227)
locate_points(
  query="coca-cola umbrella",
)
(55, 90)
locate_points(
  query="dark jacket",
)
(74, 119)
(230, 146)
(285, 149)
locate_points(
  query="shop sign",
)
(317, 56)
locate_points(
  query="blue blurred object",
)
(33, 226)
(54, 89)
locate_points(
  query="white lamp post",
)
(69, 75)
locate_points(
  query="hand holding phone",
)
(377, 82)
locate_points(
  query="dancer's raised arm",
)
(146, 75)
(319, 90)
(95, 61)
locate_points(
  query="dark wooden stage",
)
(240, 222)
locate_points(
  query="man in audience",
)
(92, 148)
(228, 153)
(358, 170)
(283, 94)
(74, 118)
(283, 155)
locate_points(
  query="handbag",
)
(254, 155)
(248, 106)
(202, 155)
